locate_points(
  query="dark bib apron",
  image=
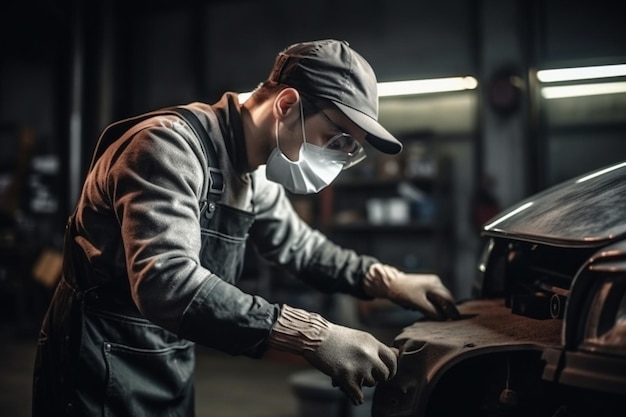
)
(97, 356)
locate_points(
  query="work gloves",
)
(423, 292)
(352, 358)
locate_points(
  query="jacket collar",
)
(228, 113)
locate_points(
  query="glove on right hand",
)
(353, 358)
(424, 292)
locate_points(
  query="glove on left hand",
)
(423, 292)
(351, 357)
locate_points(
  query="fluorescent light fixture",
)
(435, 85)
(581, 73)
(403, 88)
(580, 90)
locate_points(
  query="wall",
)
(154, 53)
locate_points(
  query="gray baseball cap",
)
(329, 69)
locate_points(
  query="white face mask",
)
(309, 174)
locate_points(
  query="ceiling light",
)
(436, 85)
(412, 87)
(579, 90)
(581, 73)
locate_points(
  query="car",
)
(544, 333)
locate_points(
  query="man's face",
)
(329, 129)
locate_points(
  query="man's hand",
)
(423, 292)
(352, 358)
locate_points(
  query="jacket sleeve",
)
(154, 183)
(283, 238)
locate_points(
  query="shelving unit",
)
(395, 211)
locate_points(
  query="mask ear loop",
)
(303, 131)
(302, 118)
(276, 134)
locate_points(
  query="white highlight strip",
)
(581, 90)
(601, 172)
(511, 214)
(581, 73)
(435, 85)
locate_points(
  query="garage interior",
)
(504, 131)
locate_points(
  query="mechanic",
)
(155, 245)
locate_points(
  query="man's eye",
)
(348, 144)
(344, 142)
(335, 145)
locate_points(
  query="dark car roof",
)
(589, 210)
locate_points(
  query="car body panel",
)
(429, 349)
(585, 211)
(545, 333)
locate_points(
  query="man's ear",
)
(286, 103)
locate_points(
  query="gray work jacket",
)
(151, 274)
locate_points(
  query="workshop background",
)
(68, 68)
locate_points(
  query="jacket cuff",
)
(298, 330)
(379, 279)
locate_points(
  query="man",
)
(155, 245)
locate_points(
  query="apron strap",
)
(216, 184)
(216, 178)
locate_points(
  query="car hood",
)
(585, 211)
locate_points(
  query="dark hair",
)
(267, 89)
(264, 91)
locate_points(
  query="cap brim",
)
(377, 135)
